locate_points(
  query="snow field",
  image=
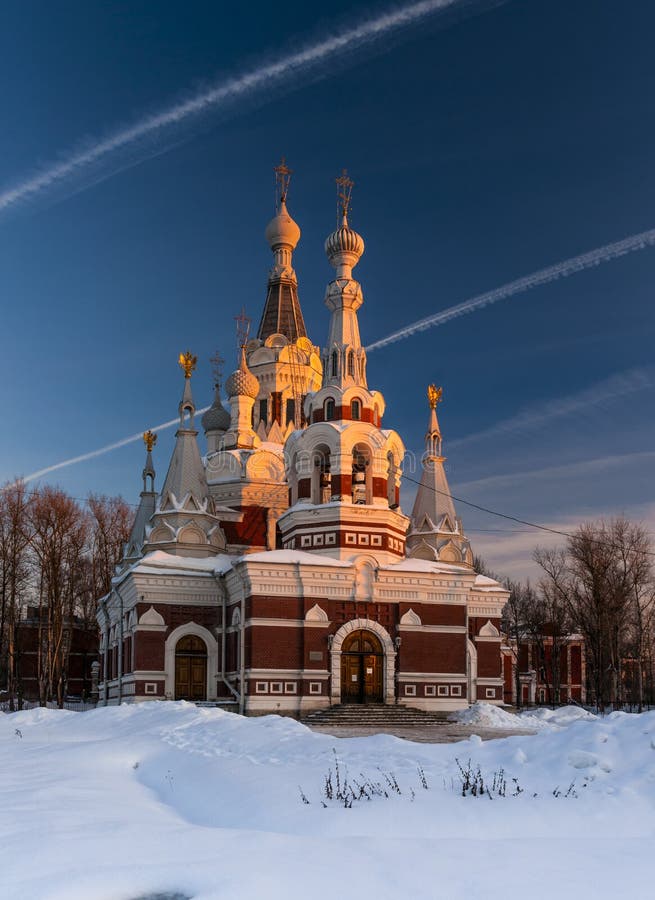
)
(121, 802)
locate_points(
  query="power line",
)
(493, 512)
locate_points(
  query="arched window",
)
(361, 475)
(350, 364)
(321, 477)
(356, 410)
(335, 364)
(329, 409)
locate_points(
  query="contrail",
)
(536, 279)
(290, 70)
(107, 449)
(596, 397)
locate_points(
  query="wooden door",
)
(191, 669)
(362, 665)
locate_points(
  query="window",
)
(356, 410)
(263, 411)
(430, 690)
(456, 690)
(276, 687)
(351, 363)
(491, 694)
(410, 690)
(314, 687)
(289, 687)
(151, 687)
(329, 409)
(261, 687)
(334, 367)
(442, 690)
(291, 411)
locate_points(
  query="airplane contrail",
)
(536, 279)
(283, 72)
(107, 449)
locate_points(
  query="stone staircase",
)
(374, 716)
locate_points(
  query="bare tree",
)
(601, 578)
(14, 576)
(111, 520)
(514, 619)
(58, 539)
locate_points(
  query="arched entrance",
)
(191, 668)
(362, 668)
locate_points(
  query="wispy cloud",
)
(101, 158)
(619, 385)
(589, 260)
(582, 468)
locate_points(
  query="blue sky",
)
(483, 147)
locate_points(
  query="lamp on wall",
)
(330, 641)
(398, 641)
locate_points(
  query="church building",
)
(277, 572)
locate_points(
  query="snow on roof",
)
(487, 584)
(427, 565)
(292, 556)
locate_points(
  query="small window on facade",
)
(356, 410)
(263, 411)
(291, 411)
(329, 410)
(335, 364)
(351, 363)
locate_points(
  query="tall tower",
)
(436, 532)
(282, 313)
(344, 468)
(283, 359)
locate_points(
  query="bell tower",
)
(344, 468)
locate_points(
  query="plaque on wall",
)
(315, 656)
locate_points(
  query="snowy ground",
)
(121, 803)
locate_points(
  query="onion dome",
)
(282, 231)
(242, 383)
(217, 418)
(344, 246)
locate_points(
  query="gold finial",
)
(282, 178)
(434, 395)
(344, 193)
(149, 439)
(187, 362)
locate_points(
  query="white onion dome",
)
(217, 418)
(344, 245)
(242, 383)
(282, 231)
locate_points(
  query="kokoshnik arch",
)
(278, 573)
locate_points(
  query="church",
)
(276, 572)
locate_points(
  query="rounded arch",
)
(191, 628)
(387, 647)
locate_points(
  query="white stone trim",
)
(388, 684)
(471, 670)
(432, 676)
(435, 629)
(212, 656)
(275, 623)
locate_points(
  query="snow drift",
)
(120, 803)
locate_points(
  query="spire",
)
(436, 532)
(134, 546)
(183, 521)
(344, 361)
(282, 313)
(185, 480)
